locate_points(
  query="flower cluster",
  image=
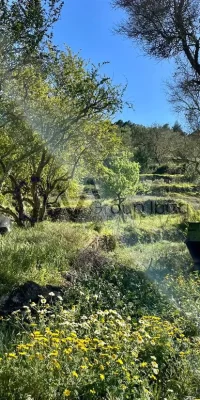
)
(101, 353)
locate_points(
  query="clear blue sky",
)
(87, 26)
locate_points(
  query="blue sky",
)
(87, 26)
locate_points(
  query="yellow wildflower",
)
(54, 353)
(66, 393)
(102, 377)
(92, 391)
(153, 377)
(143, 364)
(56, 340)
(119, 361)
(12, 355)
(74, 373)
(39, 356)
(68, 351)
(56, 364)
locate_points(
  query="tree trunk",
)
(121, 211)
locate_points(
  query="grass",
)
(41, 253)
(127, 329)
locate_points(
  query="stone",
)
(5, 225)
(24, 294)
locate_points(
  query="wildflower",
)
(92, 391)
(12, 355)
(154, 364)
(22, 347)
(119, 361)
(66, 393)
(56, 364)
(74, 373)
(39, 356)
(54, 334)
(102, 377)
(101, 367)
(153, 377)
(68, 351)
(143, 364)
(54, 353)
(139, 338)
(52, 294)
(83, 366)
(55, 340)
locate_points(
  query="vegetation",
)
(120, 330)
(165, 30)
(120, 179)
(125, 324)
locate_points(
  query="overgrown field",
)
(128, 325)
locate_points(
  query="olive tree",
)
(53, 123)
(165, 29)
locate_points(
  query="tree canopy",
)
(52, 122)
(165, 29)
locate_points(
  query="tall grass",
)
(40, 253)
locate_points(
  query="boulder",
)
(26, 293)
(5, 225)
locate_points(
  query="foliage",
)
(169, 29)
(152, 145)
(105, 356)
(59, 123)
(117, 331)
(164, 29)
(120, 178)
(25, 26)
(41, 253)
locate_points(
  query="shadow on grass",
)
(102, 285)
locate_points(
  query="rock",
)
(26, 293)
(5, 225)
(69, 277)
